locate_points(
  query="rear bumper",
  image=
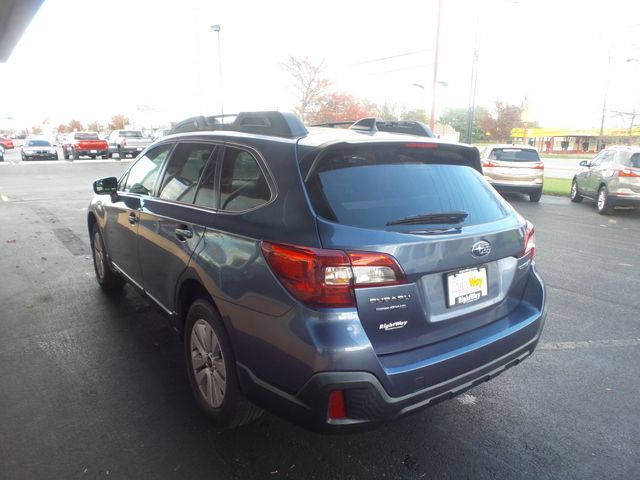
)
(92, 152)
(624, 201)
(517, 188)
(437, 377)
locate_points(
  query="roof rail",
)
(371, 125)
(277, 124)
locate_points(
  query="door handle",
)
(133, 218)
(183, 233)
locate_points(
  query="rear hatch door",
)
(458, 243)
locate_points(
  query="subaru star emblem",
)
(480, 249)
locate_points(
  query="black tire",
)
(106, 277)
(55, 157)
(65, 154)
(215, 364)
(575, 193)
(75, 154)
(535, 197)
(105, 156)
(109, 155)
(602, 201)
(121, 154)
(93, 157)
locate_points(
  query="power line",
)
(393, 56)
(405, 68)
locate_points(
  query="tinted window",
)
(514, 155)
(368, 187)
(131, 134)
(185, 166)
(37, 143)
(634, 161)
(243, 185)
(143, 174)
(87, 136)
(205, 197)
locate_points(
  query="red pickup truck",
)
(88, 144)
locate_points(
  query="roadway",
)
(93, 385)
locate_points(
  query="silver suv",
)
(514, 168)
(611, 178)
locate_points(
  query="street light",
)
(216, 29)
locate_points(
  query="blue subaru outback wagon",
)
(339, 278)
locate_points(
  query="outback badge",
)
(481, 248)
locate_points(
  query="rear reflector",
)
(326, 278)
(336, 409)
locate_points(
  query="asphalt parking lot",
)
(92, 385)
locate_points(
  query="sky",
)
(158, 61)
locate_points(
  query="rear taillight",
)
(327, 278)
(538, 166)
(628, 172)
(529, 240)
(489, 163)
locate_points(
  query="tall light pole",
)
(432, 119)
(604, 104)
(474, 83)
(216, 28)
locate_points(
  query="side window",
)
(243, 185)
(143, 174)
(185, 167)
(607, 158)
(205, 197)
(635, 160)
(597, 160)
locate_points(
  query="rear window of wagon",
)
(369, 186)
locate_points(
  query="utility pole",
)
(474, 82)
(435, 71)
(604, 103)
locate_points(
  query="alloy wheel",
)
(98, 254)
(208, 363)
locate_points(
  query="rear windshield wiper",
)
(430, 219)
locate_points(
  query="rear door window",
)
(186, 165)
(514, 155)
(243, 185)
(368, 187)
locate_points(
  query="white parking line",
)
(630, 342)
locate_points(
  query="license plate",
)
(94, 151)
(466, 286)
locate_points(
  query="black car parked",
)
(337, 277)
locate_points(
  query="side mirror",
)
(106, 186)
(584, 163)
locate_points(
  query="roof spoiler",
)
(276, 124)
(371, 125)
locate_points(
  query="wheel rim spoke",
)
(210, 389)
(197, 343)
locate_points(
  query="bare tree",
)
(308, 82)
